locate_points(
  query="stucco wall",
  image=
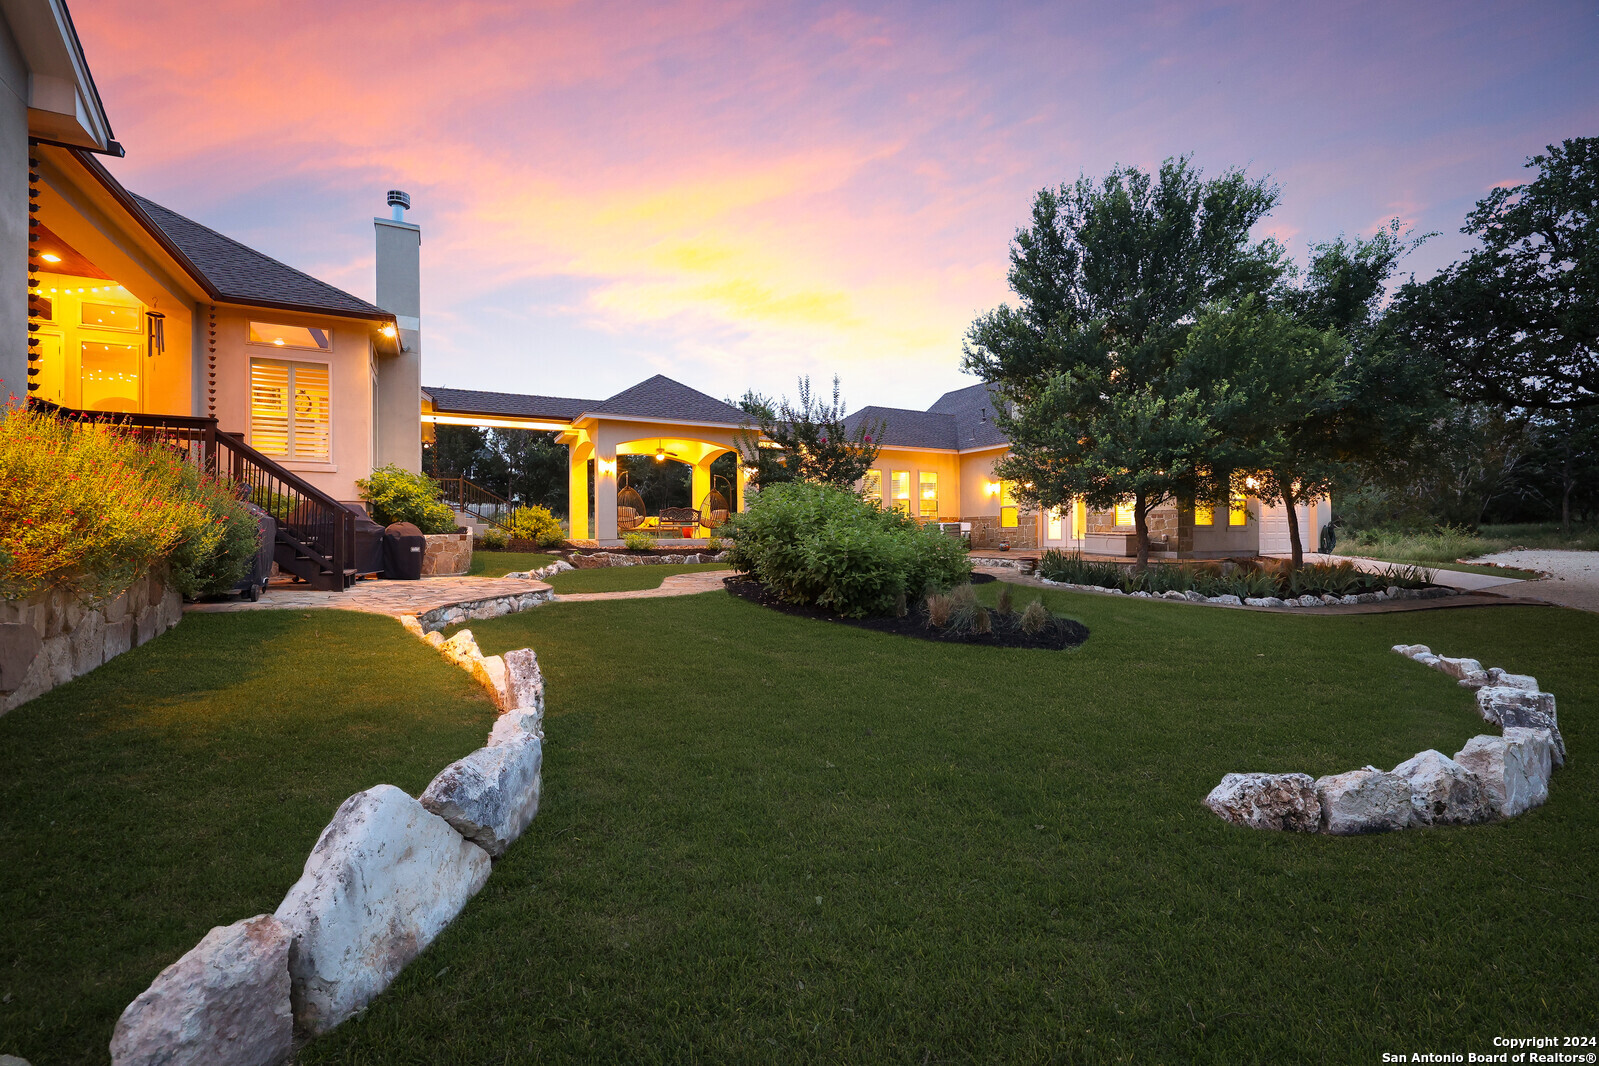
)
(13, 219)
(349, 384)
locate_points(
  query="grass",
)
(182, 785)
(624, 578)
(766, 838)
(1443, 547)
(498, 564)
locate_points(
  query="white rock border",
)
(1491, 778)
(207, 1009)
(1391, 593)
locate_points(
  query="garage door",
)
(1274, 531)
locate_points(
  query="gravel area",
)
(1573, 579)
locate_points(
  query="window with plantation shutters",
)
(290, 410)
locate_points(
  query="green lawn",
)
(498, 564)
(624, 578)
(182, 785)
(766, 838)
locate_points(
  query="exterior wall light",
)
(389, 331)
(607, 466)
(992, 488)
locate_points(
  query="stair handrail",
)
(474, 499)
(308, 519)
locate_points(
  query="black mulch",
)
(1063, 633)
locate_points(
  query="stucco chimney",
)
(399, 291)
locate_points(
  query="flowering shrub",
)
(538, 525)
(398, 495)
(91, 509)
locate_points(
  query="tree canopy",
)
(807, 440)
(1516, 323)
(1110, 277)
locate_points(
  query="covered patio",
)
(660, 418)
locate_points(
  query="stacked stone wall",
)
(54, 636)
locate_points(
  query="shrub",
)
(494, 539)
(1035, 618)
(89, 508)
(397, 495)
(538, 525)
(638, 542)
(819, 544)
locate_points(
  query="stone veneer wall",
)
(448, 555)
(987, 532)
(52, 637)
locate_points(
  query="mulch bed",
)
(1065, 633)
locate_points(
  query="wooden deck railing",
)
(316, 533)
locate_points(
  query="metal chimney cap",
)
(399, 199)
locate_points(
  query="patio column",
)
(577, 492)
(605, 495)
(743, 485)
(700, 483)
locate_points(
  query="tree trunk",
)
(1141, 524)
(1295, 545)
(1567, 484)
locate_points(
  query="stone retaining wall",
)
(477, 610)
(386, 876)
(598, 560)
(52, 637)
(448, 555)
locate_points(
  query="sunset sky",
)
(736, 193)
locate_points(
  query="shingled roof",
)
(973, 411)
(902, 428)
(661, 397)
(506, 404)
(240, 274)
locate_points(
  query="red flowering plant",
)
(91, 509)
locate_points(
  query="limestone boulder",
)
(1501, 679)
(412, 626)
(461, 649)
(1364, 801)
(1442, 792)
(1462, 669)
(490, 673)
(225, 1003)
(1410, 651)
(1268, 801)
(1514, 769)
(385, 878)
(524, 681)
(1527, 709)
(491, 796)
(1231, 601)
(514, 724)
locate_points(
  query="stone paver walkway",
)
(675, 585)
(382, 597)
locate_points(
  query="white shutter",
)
(312, 416)
(269, 407)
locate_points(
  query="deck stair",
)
(475, 501)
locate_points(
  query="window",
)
(1204, 513)
(289, 410)
(1124, 515)
(109, 316)
(1009, 514)
(1053, 529)
(872, 487)
(1238, 514)
(928, 498)
(109, 375)
(900, 485)
(318, 340)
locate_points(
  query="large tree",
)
(1109, 278)
(1517, 322)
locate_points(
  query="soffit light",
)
(389, 331)
(50, 257)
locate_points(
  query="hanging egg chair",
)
(630, 513)
(714, 507)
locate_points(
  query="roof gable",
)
(240, 274)
(972, 408)
(661, 397)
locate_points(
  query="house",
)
(124, 308)
(937, 465)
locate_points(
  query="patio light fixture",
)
(607, 466)
(660, 453)
(388, 330)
